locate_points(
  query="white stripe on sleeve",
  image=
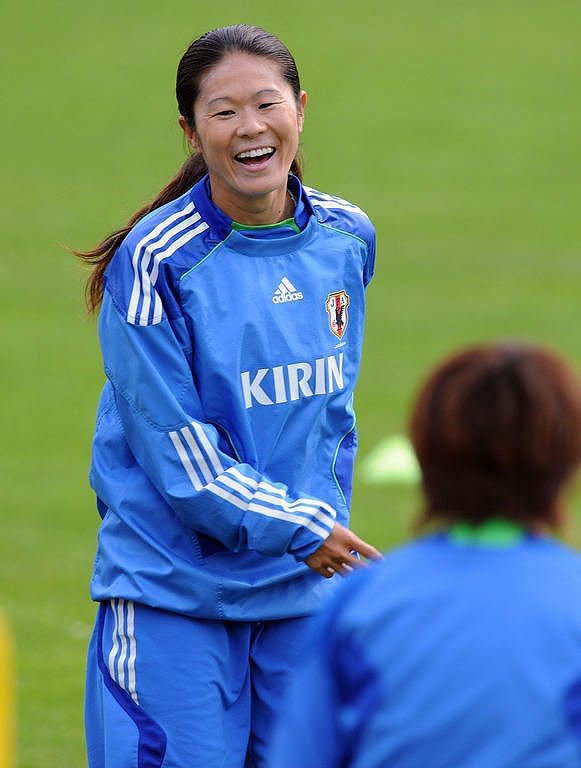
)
(150, 237)
(250, 481)
(185, 459)
(197, 454)
(268, 512)
(309, 502)
(297, 508)
(148, 279)
(157, 313)
(245, 492)
(208, 447)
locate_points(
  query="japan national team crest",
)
(337, 304)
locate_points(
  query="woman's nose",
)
(250, 124)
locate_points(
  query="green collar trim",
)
(493, 533)
(261, 227)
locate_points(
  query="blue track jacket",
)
(444, 655)
(225, 436)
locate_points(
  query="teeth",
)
(256, 152)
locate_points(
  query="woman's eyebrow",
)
(219, 98)
(261, 92)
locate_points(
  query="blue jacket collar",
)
(221, 224)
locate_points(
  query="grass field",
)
(455, 125)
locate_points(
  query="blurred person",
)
(231, 323)
(462, 649)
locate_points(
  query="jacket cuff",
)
(304, 543)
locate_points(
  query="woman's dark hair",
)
(203, 54)
(497, 433)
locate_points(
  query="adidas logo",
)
(286, 292)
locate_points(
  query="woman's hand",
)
(336, 554)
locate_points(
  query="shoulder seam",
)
(322, 199)
(344, 232)
(207, 256)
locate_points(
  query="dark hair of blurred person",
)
(497, 432)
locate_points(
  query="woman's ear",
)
(189, 133)
(302, 104)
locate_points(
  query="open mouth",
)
(255, 156)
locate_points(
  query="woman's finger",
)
(365, 549)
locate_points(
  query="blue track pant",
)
(166, 690)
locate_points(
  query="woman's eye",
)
(266, 105)
(224, 113)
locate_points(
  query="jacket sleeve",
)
(180, 453)
(369, 267)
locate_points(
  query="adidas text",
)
(270, 386)
(281, 298)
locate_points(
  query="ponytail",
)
(190, 172)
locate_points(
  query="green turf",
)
(455, 125)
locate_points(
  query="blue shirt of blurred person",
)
(461, 649)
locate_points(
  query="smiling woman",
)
(231, 322)
(246, 125)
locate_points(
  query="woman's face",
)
(247, 127)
